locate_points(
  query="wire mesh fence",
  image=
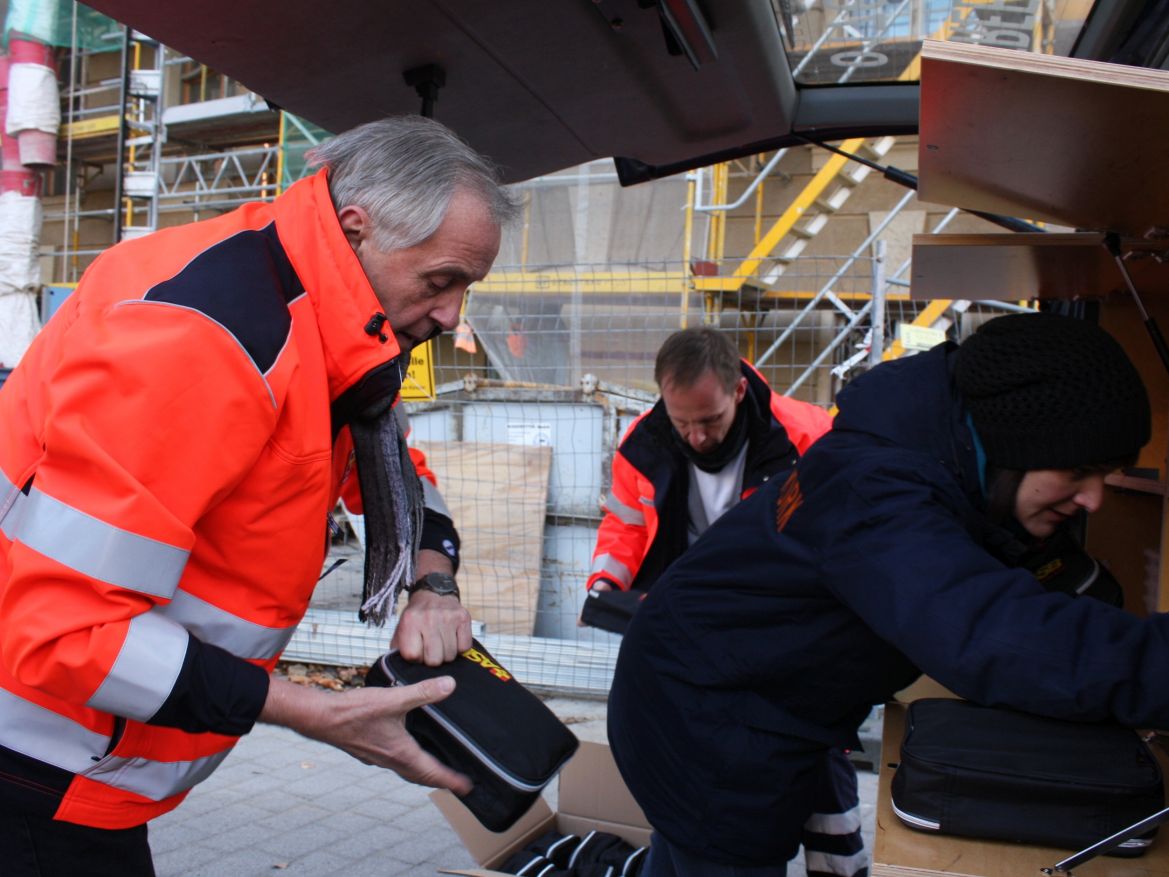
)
(533, 392)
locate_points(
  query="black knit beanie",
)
(1049, 392)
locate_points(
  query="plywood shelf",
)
(1011, 267)
(1080, 145)
(1137, 484)
(1076, 143)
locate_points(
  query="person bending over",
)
(761, 650)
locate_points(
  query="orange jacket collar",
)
(334, 281)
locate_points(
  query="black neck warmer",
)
(714, 461)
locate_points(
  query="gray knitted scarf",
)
(392, 496)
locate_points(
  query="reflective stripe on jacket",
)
(166, 469)
(644, 527)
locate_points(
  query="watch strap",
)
(436, 582)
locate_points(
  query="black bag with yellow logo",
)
(491, 728)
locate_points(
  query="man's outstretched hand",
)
(368, 723)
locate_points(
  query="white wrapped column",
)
(20, 231)
(34, 102)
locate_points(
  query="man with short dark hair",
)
(173, 443)
(716, 435)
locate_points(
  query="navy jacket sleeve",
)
(906, 564)
(215, 691)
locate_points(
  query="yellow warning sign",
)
(919, 337)
(419, 383)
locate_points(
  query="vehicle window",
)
(850, 41)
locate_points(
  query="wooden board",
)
(498, 497)
(899, 851)
(1010, 267)
(1130, 531)
(1077, 143)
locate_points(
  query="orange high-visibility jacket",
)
(644, 527)
(166, 471)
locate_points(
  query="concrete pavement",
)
(282, 804)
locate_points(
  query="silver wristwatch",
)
(437, 582)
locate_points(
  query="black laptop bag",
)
(491, 728)
(996, 774)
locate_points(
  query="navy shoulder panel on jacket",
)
(244, 283)
(649, 446)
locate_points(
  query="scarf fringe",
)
(392, 496)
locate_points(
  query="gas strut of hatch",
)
(1112, 244)
(909, 181)
(1111, 240)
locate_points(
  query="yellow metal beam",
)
(281, 143)
(588, 283)
(687, 232)
(719, 229)
(603, 283)
(806, 295)
(98, 127)
(750, 265)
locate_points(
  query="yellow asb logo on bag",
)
(1049, 569)
(487, 664)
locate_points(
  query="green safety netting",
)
(62, 23)
(298, 137)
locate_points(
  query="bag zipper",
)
(496, 769)
(916, 821)
(489, 763)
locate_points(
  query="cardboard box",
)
(592, 797)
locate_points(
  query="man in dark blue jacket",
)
(766, 645)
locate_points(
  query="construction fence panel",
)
(531, 396)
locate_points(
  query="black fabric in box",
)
(491, 728)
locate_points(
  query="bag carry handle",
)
(1103, 846)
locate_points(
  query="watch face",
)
(439, 583)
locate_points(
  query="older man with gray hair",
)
(173, 443)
